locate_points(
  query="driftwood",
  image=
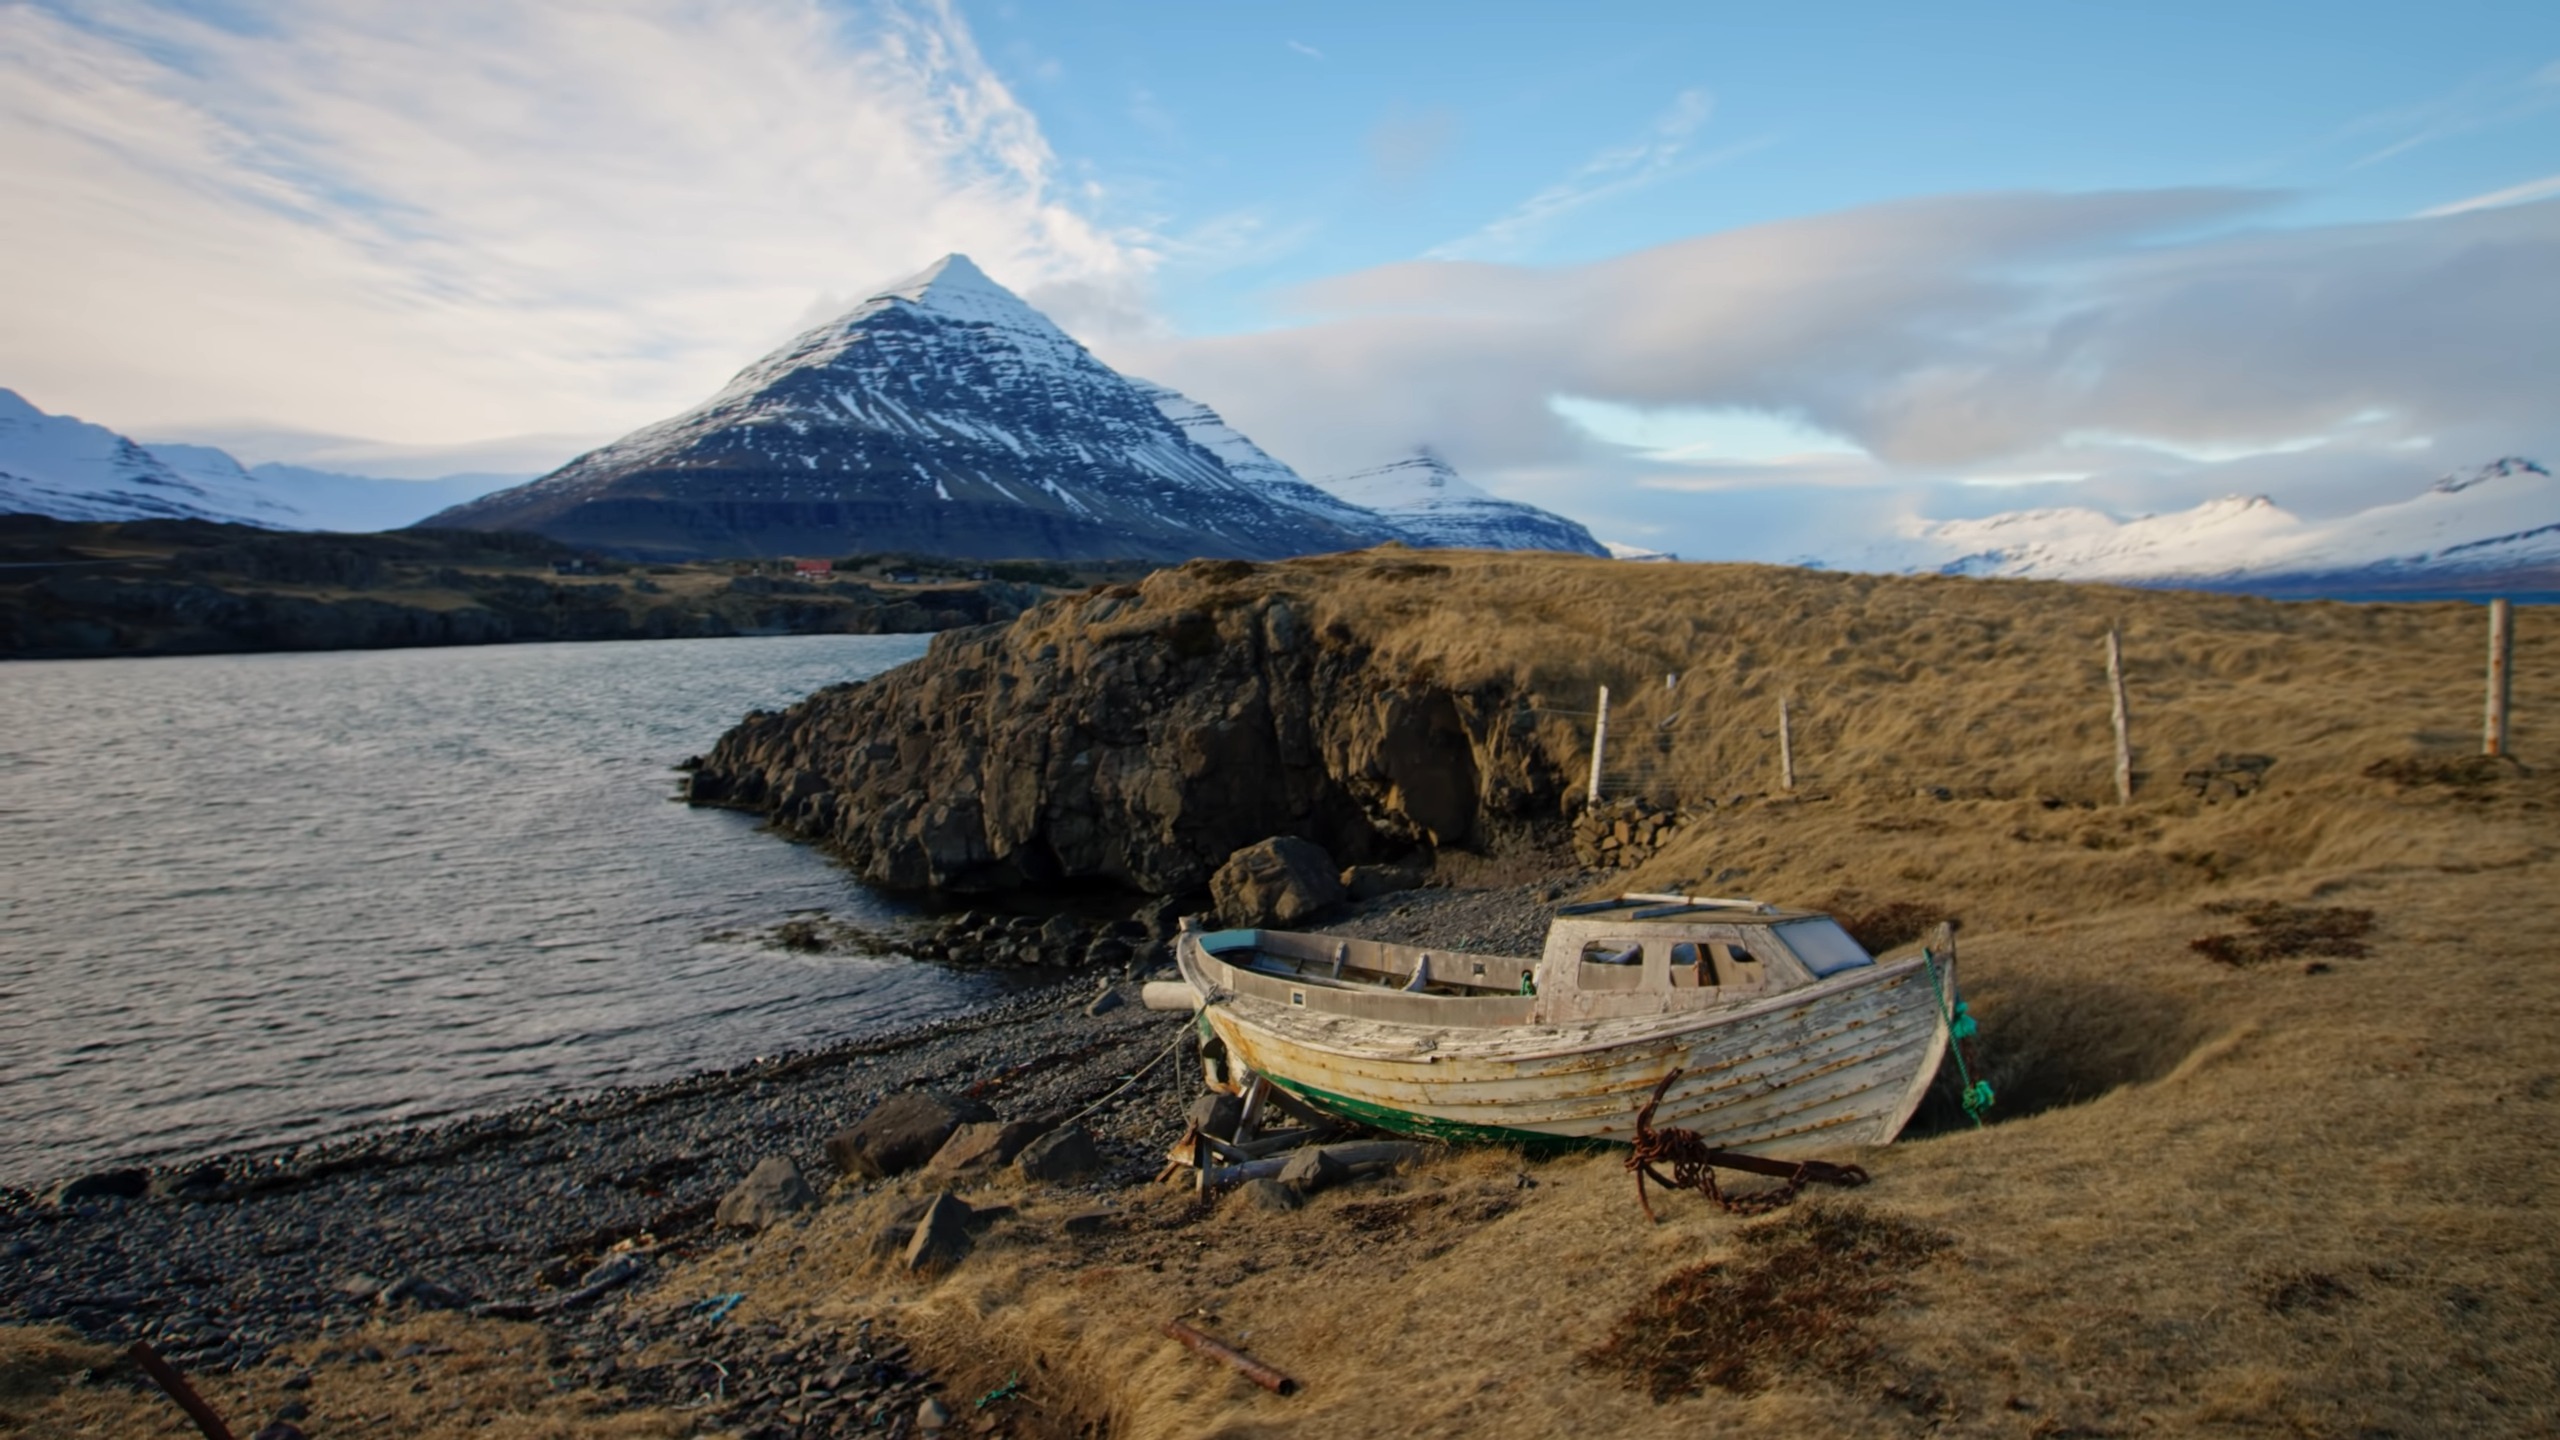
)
(167, 1377)
(1202, 1343)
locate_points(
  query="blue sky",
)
(1276, 145)
(1739, 281)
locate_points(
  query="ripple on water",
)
(251, 899)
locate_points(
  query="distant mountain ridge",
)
(1430, 505)
(944, 415)
(2493, 524)
(69, 469)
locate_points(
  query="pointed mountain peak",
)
(14, 406)
(956, 288)
(1437, 472)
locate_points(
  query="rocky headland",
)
(1138, 735)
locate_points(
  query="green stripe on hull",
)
(1430, 1127)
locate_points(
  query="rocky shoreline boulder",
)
(1274, 883)
(901, 1133)
(1138, 735)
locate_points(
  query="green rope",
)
(1976, 1095)
(1005, 1391)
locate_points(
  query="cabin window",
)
(1823, 946)
(1688, 970)
(1613, 965)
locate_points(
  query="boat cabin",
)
(1631, 956)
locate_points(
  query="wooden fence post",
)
(1786, 746)
(2124, 723)
(1599, 746)
(2502, 646)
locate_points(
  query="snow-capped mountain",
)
(72, 470)
(1251, 463)
(333, 499)
(942, 415)
(1429, 505)
(2498, 519)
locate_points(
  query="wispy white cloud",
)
(2482, 103)
(1616, 170)
(2542, 189)
(439, 222)
(1306, 49)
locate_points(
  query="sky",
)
(1735, 281)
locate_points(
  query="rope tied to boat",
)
(1976, 1095)
(1694, 1163)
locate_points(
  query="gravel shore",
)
(266, 1250)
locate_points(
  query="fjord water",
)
(246, 900)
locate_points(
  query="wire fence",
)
(1670, 748)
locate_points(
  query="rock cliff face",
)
(1139, 735)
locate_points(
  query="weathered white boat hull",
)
(1845, 1062)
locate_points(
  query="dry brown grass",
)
(2217, 1199)
(474, 1378)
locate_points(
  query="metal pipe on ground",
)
(1202, 1343)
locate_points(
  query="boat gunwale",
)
(1608, 1033)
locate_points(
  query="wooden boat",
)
(1789, 1036)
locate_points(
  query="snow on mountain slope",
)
(941, 415)
(1620, 550)
(1430, 505)
(71, 470)
(1249, 462)
(331, 499)
(2499, 516)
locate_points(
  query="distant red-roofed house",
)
(813, 569)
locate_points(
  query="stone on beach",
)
(1217, 1113)
(424, 1293)
(941, 1238)
(1063, 1154)
(773, 1189)
(901, 1133)
(1279, 881)
(1310, 1169)
(982, 1145)
(1268, 1194)
(1368, 882)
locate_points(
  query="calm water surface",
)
(247, 900)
